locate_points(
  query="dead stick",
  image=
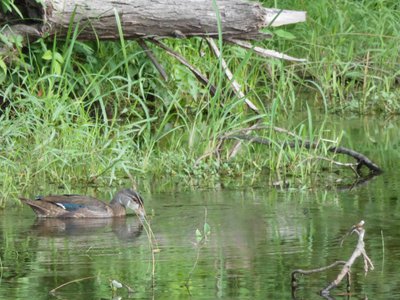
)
(236, 88)
(360, 250)
(69, 282)
(234, 84)
(153, 59)
(265, 52)
(203, 79)
(361, 159)
(235, 149)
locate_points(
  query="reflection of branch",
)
(200, 242)
(359, 181)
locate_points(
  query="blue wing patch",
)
(70, 206)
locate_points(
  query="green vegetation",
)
(352, 48)
(75, 113)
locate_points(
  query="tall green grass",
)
(352, 51)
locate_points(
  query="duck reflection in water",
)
(125, 228)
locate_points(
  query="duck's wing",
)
(44, 209)
(74, 202)
(68, 206)
(71, 198)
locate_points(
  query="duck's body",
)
(77, 206)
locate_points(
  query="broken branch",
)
(202, 78)
(360, 158)
(358, 251)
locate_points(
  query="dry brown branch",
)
(153, 59)
(236, 147)
(237, 90)
(263, 127)
(352, 166)
(202, 78)
(360, 158)
(243, 134)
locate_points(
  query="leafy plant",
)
(202, 238)
(7, 6)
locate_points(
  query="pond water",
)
(257, 237)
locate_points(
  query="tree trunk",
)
(239, 19)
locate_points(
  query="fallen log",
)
(239, 19)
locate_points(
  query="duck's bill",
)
(138, 209)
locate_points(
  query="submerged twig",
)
(152, 244)
(69, 282)
(308, 272)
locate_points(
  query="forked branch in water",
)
(345, 272)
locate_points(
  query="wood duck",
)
(77, 206)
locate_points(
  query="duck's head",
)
(130, 199)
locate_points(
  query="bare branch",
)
(265, 52)
(345, 272)
(361, 159)
(359, 250)
(317, 270)
(202, 78)
(234, 84)
(153, 59)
